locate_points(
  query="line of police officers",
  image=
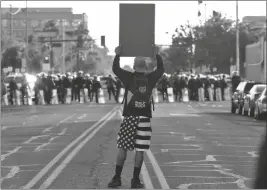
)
(192, 83)
(61, 83)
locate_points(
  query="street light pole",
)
(26, 32)
(10, 10)
(237, 41)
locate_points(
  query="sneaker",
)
(136, 184)
(115, 182)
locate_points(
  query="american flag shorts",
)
(135, 133)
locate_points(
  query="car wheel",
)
(244, 112)
(233, 109)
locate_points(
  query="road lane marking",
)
(157, 170)
(146, 178)
(253, 154)
(13, 171)
(76, 150)
(40, 147)
(4, 156)
(81, 117)
(209, 158)
(240, 179)
(61, 121)
(62, 132)
(31, 183)
(205, 177)
(33, 138)
(240, 184)
(185, 114)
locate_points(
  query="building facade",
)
(15, 25)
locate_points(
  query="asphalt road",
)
(194, 145)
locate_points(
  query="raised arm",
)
(157, 74)
(123, 75)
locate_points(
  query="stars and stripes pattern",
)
(135, 133)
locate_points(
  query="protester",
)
(137, 113)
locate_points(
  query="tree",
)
(212, 43)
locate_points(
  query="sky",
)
(103, 16)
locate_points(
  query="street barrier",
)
(29, 97)
(155, 95)
(218, 94)
(201, 97)
(227, 96)
(121, 95)
(170, 94)
(86, 98)
(54, 97)
(18, 98)
(68, 96)
(101, 98)
(210, 92)
(5, 99)
(185, 97)
(41, 97)
(81, 96)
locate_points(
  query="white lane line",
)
(205, 177)
(62, 132)
(253, 154)
(238, 182)
(66, 161)
(158, 172)
(146, 178)
(35, 180)
(33, 138)
(81, 117)
(40, 147)
(184, 114)
(14, 170)
(82, 121)
(61, 121)
(209, 158)
(47, 129)
(23, 165)
(4, 156)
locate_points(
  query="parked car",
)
(242, 90)
(250, 99)
(260, 106)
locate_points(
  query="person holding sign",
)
(135, 130)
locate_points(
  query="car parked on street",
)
(250, 99)
(237, 100)
(260, 110)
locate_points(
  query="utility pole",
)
(237, 41)
(63, 47)
(26, 32)
(10, 12)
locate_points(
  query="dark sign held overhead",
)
(137, 29)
